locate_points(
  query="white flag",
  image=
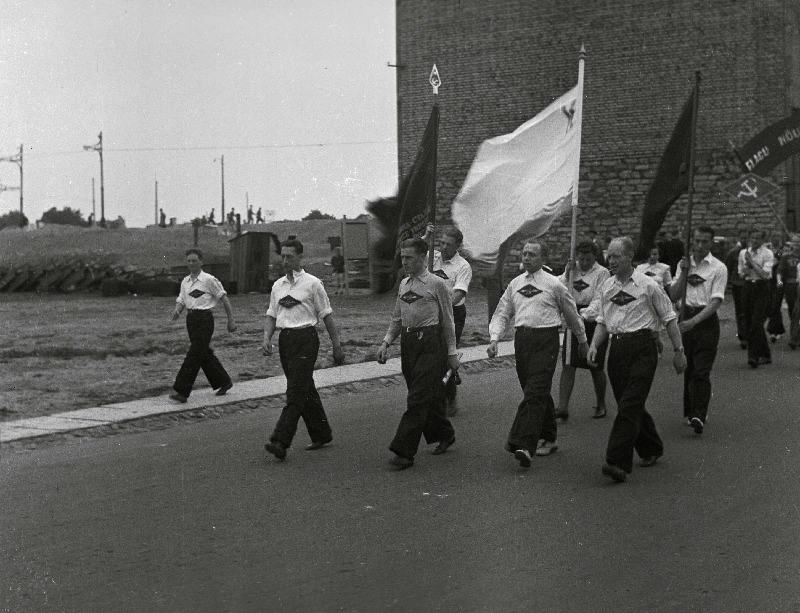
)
(520, 182)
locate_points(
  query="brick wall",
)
(503, 61)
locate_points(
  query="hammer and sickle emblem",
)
(747, 191)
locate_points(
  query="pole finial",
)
(583, 52)
(435, 80)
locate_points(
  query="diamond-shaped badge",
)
(580, 285)
(196, 293)
(288, 302)
(441, 274)
(410, 297)
(529, 291)
(622, 298)
(750, 187)
(694, 280)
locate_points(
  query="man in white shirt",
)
(584, 281)
(296, 304)
(701, 285)
(200, 292)
(457, 274)
(656, 269)
(630, 308)
(534, 301)
(755, 268)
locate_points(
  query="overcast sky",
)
(175, 85)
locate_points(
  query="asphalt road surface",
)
(194, 518)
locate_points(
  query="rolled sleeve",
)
(216, 289)
(719, 284)
(321, 302)
(661, 304)
(272, 309)
(463, 279)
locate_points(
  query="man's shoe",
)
(318, 445)
(650, 461)
(562, 415)
(615, 472)
(763, 360)
(688, 421)
(792, 346)
(753, 363)
(443, 446)
(277, 449)
(177, 396)
(697, 425)
(224, 389)
(523, 457)
(401, 463)
(546, 448)
(599, 413)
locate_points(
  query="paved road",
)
(194, 517)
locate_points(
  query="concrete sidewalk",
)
(70, 421)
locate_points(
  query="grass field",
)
(65, 352)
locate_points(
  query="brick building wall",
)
(503, 61)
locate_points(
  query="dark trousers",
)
(200, 326)
(632, 363)
(738, 308)
(459, 317)
(775, 321)
(700, 345)
(299, 349)
(423, 358)
(536, 353)
(756, 305)
(790, 289)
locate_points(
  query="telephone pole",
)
(17, 159)
(99, 148)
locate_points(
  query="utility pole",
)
(222, 166)
(94, 211)
(156, 206)
(99, 148)
(17, 159)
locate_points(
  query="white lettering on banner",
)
(757, 157)
(788, 136)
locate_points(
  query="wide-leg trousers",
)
(755, 300)
(536, 353)
(423, 359)
(200, 326)
(298, 350)
(632, 362)
(700, 344)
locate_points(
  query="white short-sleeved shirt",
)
(659, 272)
(202, 293)
(763, 258)
(299, 303)
(586, 283)
(456, 273)
(705, 282)
(638, 303)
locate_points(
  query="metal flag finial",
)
(435, 80)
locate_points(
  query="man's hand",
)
(583, 350)
(684, 264)
(338, 355)
(175, 315)
(591, 356)
(267, 348)
(679, 361)
(453, 362)
(383, 353)
(231, 327)
(687, 325)
(569, 268)
(429, 230)
(491, 350)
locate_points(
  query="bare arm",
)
(229, 313)
(333, 332)
(269, 330)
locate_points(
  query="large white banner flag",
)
(520, 182)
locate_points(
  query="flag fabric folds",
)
(671, 180)
(519, 183)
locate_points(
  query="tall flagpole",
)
(579, 113)
(435, 82)
(690, 191)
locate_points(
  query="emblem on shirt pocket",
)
(410, 297)
(441, 274)
(196, 293)
(287, 302)
(580, 285)
(694, 280)
(529, 291)
(622, 299)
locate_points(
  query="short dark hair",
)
(455, 234)
(294, 244)
(194, 251)
(542, 246)
(587, 247)
(416, 243)
(706, 230)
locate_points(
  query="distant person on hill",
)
(211, 218)
(250, 214)
(163, 219)
(337, 264)
(200, 292)
(259, 218)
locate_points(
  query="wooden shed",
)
(255, 264)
